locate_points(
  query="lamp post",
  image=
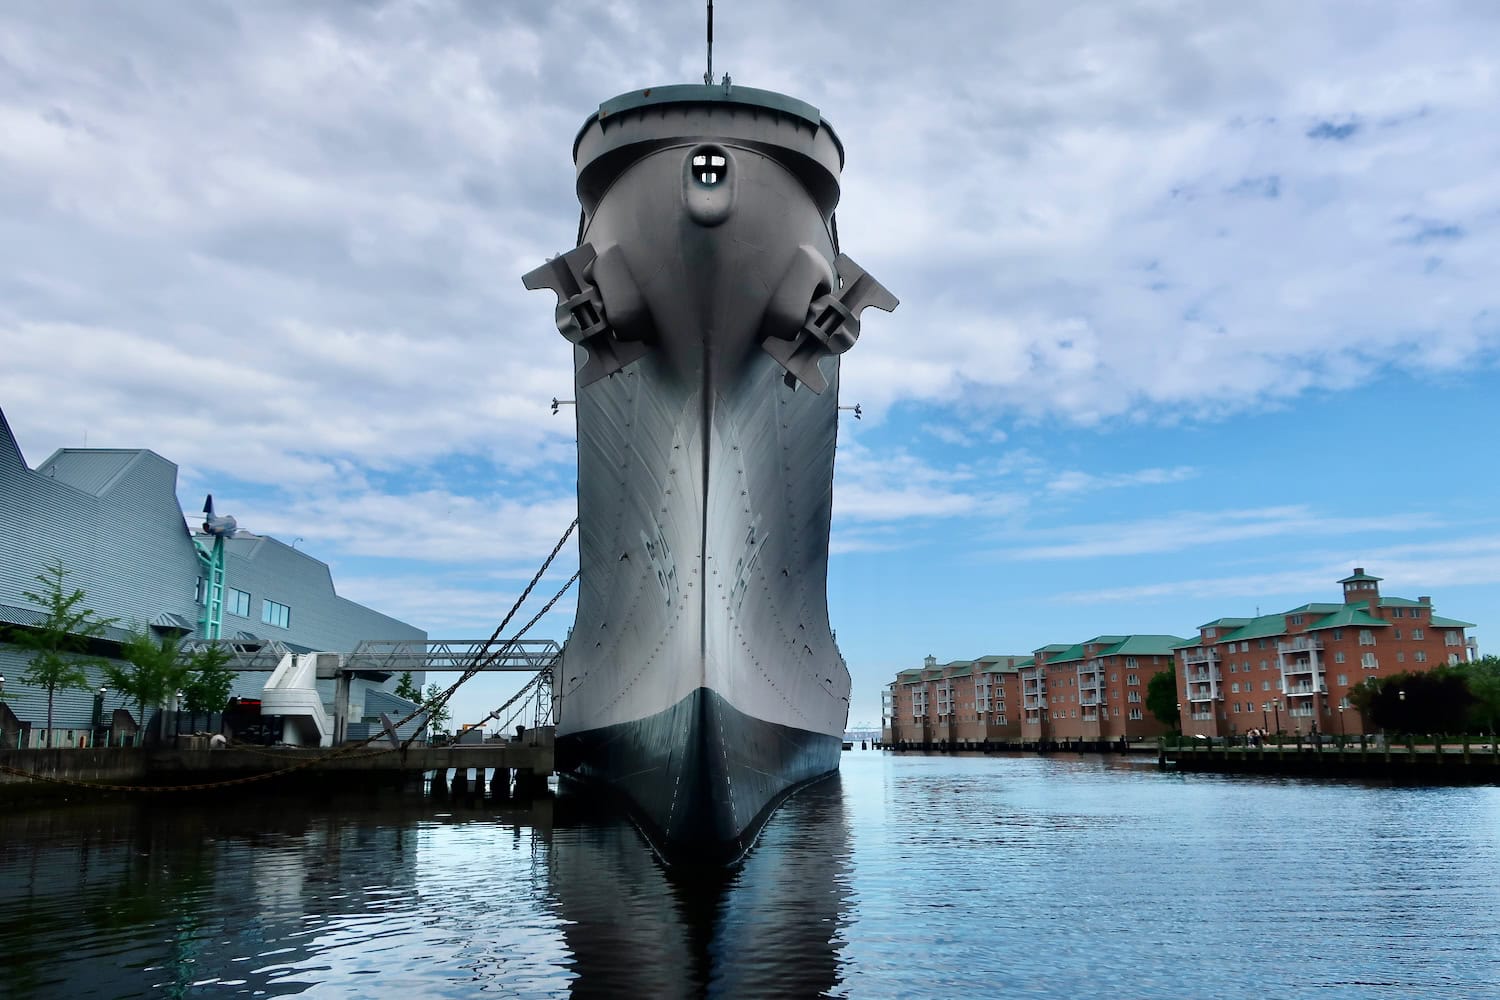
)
(1401, 697)
(1341, 725)
(1265, 715)
(1276, 705)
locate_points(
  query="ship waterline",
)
(708, 306)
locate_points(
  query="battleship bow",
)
(701, 679)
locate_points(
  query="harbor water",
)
(905, 876)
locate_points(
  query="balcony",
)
(1299, 644)
(1306, 689)
(1201, 656)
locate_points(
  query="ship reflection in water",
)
(772, 927)
(398, 893)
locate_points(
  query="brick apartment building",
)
(1292, 672)
(1093, 691)
(965, 703)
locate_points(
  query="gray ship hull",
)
(701, 679)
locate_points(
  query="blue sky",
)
(1198, 302)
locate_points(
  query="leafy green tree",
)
(152, 671)
(1362, 697)
(1429, 701)
(438, 715)
(1483, 678)
(1161, 698)
(60, 641)
(407, 688)
(210, 679)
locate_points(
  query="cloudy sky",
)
(1199, 301)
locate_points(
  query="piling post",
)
(500, 783)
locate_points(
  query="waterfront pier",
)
(1461, 762)
(527, 763)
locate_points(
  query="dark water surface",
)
(907, 876)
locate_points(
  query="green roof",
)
(1349, 615)
(997, 663)
(1056, 647)
(1225, 623)
(1067, 655)
(1147, 645)
(1258, 628)
(959, 668)
(1440, 622)
(1316, 609)
(1400, 602)
(1359, 575)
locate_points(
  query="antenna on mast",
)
(708, 77)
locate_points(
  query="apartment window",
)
(1245, 646)
(1417, 633)
(1338, 634)
(1452, 658)
(1450, 638)
(1294, 619)
(1400, 657)
(1398, 612)
(1234, 668)
(1338, 656)
(1368, 660)
(1134, 698)
(1366, 637)
(1209, 633)
(275, 614)
(1395, 633)
(1419, 656)
(1132, 679)
(1073, 713)
(1130, 662)
(1343, 680)
(239, 603)
(1236, 708)
(1000, 707)
(1260, 644)
(1136, 714)
(1234, 688)
(1265, 685)
(1416, 612)
(1114, 675)
(1264, 665)
(1001, 720)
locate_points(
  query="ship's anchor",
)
(584, 281)
(807, 319)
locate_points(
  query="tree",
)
(60, 641)
(437, 715)
(1161, 698)
(1430, 701)
(155, 669)
(407, 688)
(1483, 678)
(210, 680)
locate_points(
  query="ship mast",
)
(708, 77)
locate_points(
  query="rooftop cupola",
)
(930, 662)
(1361, 587)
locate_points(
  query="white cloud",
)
(1191, 529)
(1408, 570)
(1074, 481)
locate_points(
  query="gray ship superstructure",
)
(708, 305)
